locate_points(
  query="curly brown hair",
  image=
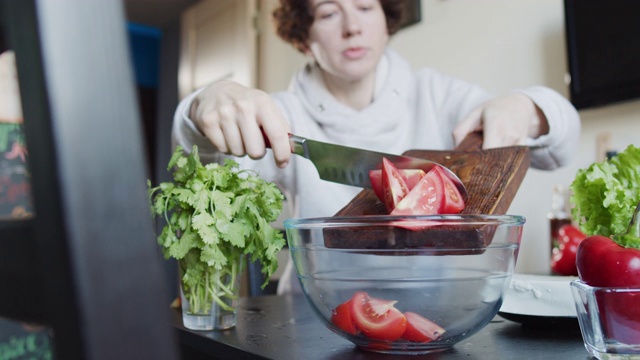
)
(294, 18)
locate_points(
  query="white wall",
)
(500, 44)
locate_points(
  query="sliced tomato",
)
(394, 186)
(411, 177)
(377, 318)
(426, 198)
(375, 176)
(453, 202)
(341, 317)
(421, 329)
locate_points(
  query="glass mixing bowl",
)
(405, 284)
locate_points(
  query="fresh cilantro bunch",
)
(216, 214)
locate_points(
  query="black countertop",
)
(285, 327)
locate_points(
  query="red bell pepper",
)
(604, 262)
(563, 259)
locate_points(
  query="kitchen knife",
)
(350, 166)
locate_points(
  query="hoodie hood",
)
(381, 126)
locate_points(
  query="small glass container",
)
(212, 300)
(609, 320)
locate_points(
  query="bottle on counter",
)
(559, 213)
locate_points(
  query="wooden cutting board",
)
(492, 178)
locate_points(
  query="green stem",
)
(218, 296)
(631, 238)
(214, 288)
(634, 224)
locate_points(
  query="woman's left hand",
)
(505, 121)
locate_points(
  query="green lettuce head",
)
(606, 194)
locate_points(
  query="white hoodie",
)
(410, 110)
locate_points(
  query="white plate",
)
(538, 296)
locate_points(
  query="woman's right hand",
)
(233, 116)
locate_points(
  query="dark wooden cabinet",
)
(86, 264)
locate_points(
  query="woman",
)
(358, 92)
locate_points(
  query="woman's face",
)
(347, 37)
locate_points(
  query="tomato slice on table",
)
(452, 202)
(341, 317)
(377, 318)
(421, 329)
(394, 186)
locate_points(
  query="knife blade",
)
(351, 166)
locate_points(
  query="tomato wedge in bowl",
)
(378, 319)
(421, 329)
(342, 318)
(422, 296)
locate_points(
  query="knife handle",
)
(298, 146)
